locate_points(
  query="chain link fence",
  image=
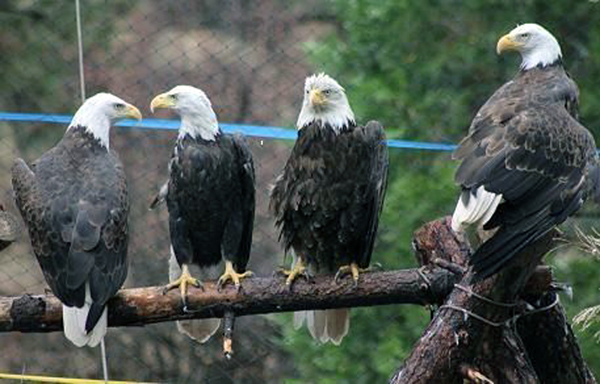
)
(249, 57)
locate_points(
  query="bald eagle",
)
(210, 198)
(74, 203)
(328, 199)
(524, 164)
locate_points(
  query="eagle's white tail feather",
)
(99, 331)
(480, 205)
(460, 212)
(197, 330)
(492, 208)
(74, 323)
(299, 318)
(480, 208)
(316, 322)
(338, 323)
(325, 325)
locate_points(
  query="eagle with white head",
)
(328, 199)
(74, 202)
(210, 198)
(525, 162)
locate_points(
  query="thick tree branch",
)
(475, 339)
(551, 344)
(140, 306)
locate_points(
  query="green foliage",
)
(420, 189)
(423, 68)
(583, 274)
(387, 332)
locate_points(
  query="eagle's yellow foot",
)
(298, 270)
(231, 274)
(182, 282)
(351, 269)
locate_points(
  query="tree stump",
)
(485, 331)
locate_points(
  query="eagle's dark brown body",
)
(328, 199)
(211, 201)
(526, 144)
(75, 204)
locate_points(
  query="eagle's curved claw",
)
(182, 282)
(231, 274)
(298, 270)
(374, 267)
(353, 270)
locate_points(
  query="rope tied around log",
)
(470, 292)
(510, 321)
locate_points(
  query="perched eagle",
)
(526, 158)
(328, 199)
(75, 204)
(210, 198)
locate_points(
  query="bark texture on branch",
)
(470, 337)
(140, 306)
(551, 345)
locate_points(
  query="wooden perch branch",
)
(140, 306)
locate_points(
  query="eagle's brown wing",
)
(533, 154)
(77, 225)
(372, 137)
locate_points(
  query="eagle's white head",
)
(193, 106)
(536, 45)
(100, 111)
(325, 101)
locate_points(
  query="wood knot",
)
(26, 310)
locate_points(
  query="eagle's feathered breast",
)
(328, 198)
(74, 201)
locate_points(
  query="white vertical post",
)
(80, 48)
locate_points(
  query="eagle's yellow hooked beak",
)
(507, 43)
(132, 112)
(164, 100)
(316, 97)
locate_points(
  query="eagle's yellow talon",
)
(351, 269)
(182, 282)
(231, 274)
(298, 270)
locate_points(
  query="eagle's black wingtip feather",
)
(93, 316)
(482, 272)
(154, 203)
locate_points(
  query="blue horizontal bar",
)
(249, 130)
